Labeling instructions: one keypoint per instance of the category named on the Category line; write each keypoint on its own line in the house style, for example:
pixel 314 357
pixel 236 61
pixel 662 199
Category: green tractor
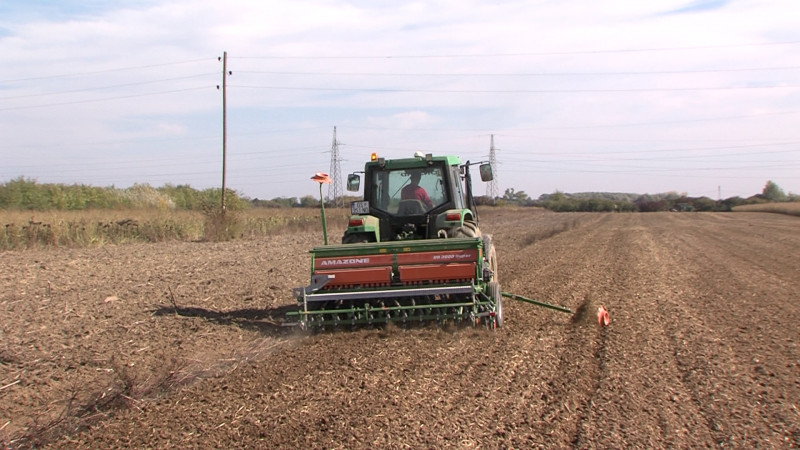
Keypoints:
pixel 413 252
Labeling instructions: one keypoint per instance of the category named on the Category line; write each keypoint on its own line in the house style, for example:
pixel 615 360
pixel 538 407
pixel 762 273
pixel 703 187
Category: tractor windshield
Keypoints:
pixel 408 192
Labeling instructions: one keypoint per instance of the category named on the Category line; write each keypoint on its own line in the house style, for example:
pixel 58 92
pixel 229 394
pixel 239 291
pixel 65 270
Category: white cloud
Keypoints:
pixel 171 128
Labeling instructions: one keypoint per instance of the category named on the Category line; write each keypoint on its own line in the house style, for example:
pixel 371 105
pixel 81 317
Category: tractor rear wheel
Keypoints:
pixel 491 256
pixel 497 297
pixel 355 238
pixel 468 229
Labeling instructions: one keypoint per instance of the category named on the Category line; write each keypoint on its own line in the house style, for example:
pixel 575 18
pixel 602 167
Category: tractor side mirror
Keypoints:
pixel 353 182
pixel 486 172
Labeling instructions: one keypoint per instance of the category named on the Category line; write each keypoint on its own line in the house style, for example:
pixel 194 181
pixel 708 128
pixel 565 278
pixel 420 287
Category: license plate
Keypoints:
pixel 359 208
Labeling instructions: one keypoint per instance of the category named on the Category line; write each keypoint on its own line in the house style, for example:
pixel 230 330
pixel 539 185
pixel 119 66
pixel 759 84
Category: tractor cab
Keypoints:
pixel 424 197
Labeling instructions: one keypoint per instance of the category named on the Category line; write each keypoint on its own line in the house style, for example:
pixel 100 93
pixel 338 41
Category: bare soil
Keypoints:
pixel 179 345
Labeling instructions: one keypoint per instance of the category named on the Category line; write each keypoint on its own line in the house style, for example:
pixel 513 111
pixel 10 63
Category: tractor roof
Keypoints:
pixel 405 163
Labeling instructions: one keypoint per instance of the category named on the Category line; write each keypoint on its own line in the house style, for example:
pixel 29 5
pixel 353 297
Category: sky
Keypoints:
pixel 694 96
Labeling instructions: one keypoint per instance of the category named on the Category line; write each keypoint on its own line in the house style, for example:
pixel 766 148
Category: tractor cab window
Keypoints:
pixel 408 192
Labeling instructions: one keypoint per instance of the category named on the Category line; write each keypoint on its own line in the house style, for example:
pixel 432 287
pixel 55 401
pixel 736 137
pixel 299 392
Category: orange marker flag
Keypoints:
pixel 602 316
pixel 321 177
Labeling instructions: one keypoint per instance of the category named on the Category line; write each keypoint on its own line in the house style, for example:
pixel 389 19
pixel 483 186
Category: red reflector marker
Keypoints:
pixel 453 217
pixel 356 222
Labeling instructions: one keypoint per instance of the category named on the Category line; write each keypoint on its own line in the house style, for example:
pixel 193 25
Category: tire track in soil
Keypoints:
pixel 694 345
pixel 773 255
pixel 635 404
pixel 567 388
pixel 736 363
pixel 695 427
pixel 577 370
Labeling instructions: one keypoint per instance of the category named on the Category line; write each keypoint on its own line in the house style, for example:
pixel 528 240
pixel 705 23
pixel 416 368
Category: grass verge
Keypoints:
pixel 21 230
pixel 792 209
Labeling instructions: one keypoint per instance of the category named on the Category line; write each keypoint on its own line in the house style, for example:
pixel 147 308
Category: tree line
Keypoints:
pixel 27 194
pixel 627 202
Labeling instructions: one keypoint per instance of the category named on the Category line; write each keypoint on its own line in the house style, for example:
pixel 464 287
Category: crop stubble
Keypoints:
pixel 702 350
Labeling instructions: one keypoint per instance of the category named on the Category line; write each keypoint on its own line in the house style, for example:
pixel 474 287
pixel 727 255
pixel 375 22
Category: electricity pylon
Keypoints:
pixel 335 191
pixel 493 188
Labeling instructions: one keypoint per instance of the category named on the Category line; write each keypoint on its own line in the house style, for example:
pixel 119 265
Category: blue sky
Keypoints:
pixel 622 96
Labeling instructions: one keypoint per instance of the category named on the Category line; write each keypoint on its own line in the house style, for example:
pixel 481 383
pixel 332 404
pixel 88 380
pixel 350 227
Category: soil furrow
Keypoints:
pixel 727 361
pixel 635 404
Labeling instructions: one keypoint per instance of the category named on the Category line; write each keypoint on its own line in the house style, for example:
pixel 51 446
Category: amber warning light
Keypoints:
pixel 374 156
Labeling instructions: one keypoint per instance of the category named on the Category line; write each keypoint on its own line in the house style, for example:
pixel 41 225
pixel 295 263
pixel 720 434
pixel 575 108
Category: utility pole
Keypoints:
pixel 493 189
pixel 336 173
pixel 224 123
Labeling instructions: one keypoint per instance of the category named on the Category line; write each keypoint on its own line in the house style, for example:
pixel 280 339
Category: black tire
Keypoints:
pixel 355 238
pixel 468 229
pixel 496 295
pixel 471 224
pixel 491 256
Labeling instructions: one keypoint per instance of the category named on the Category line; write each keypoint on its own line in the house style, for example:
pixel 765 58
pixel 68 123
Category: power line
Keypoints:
pixel 547 138
pixel 678 175
pixel 650 170
pixel 410 150
pixel 485 55
pixel 599 156
pixel 672 122
pixel 252 170
pixel 667 150
pixel 104 99
pixel 598 164
pixel 529 74
pixel 107 87
pixel 138 141
pixel 103 71
pixel 580 139
pixel 518 91
pixel 717 157
pixel 129 165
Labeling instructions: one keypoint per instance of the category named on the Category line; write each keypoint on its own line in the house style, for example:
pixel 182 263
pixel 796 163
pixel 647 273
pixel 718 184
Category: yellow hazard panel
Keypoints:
pixel 383 250
pixel 407 249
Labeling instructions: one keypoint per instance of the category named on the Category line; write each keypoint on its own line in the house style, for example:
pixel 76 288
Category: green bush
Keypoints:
pixel 27 194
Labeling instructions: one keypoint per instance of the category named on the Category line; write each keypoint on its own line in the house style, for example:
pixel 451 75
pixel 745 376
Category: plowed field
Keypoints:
pixel 179 346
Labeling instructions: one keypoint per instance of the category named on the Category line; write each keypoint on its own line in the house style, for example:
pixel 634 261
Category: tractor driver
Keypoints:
pixel 416 192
